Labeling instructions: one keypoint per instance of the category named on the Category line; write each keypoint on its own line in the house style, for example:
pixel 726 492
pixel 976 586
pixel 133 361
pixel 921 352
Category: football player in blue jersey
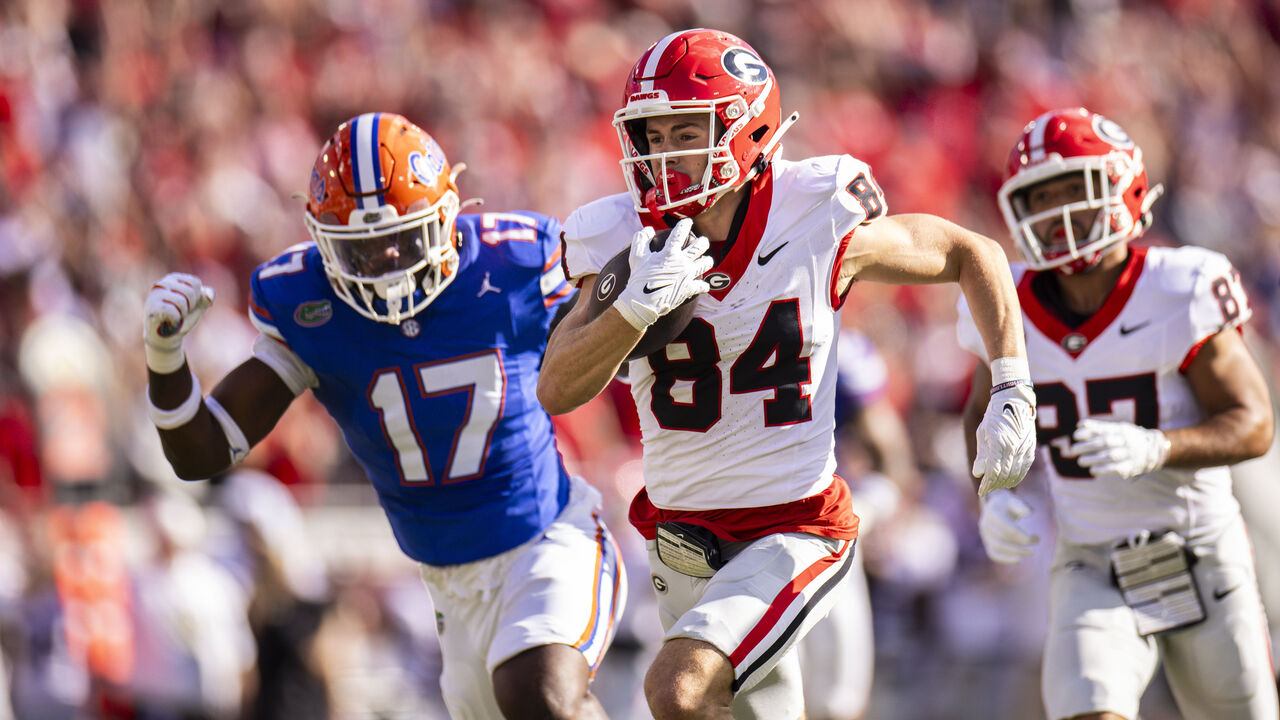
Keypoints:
pixel 421 331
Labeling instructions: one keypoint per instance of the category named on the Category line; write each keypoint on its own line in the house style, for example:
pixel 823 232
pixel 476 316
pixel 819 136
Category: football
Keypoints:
pixel 609 284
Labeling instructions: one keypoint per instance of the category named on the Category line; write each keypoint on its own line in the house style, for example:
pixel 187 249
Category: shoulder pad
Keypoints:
pixel 595 232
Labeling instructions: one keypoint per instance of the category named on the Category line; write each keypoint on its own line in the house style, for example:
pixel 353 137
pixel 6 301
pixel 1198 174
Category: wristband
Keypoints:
pixel 1007 372
pixel 181 415
pixel 164 361
pixel 632 315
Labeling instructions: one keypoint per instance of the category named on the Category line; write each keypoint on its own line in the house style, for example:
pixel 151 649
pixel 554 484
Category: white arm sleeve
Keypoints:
pixel 292 370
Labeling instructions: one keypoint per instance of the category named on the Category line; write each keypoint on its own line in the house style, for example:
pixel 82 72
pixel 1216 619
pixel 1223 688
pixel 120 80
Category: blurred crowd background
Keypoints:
pixel 140 137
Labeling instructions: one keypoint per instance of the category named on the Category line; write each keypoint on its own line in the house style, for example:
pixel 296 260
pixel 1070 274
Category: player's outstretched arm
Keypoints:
pixel 917 249
pixel 914 249
pixel 202 436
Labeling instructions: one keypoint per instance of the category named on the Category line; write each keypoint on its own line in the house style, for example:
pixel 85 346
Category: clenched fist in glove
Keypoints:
pixel 1005 539
pixel 173 308
pixel 1120 450
pixel 1007 434
pixel 662 280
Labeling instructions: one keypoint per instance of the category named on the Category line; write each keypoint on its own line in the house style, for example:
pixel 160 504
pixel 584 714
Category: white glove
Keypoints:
pixel 1006 541
pixel 173 308
pixel 1117 450
pixel 661 281
pixel 1006 438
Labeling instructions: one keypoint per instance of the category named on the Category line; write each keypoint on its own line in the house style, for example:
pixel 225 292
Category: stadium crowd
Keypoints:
pixel 138 137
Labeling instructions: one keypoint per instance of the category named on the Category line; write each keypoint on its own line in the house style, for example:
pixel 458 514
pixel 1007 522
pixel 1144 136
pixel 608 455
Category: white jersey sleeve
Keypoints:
pixel 857 198
pixel 1217 299
pixel 597 231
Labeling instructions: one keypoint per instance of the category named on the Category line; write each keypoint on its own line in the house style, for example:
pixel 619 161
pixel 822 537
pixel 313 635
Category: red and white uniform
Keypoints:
pixel 1127 363
pixel 737 419
pixel 739 413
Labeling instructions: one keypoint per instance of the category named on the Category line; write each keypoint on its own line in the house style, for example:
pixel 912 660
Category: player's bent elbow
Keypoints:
pixel 552 399
pixel 1258 442
pixel 195 465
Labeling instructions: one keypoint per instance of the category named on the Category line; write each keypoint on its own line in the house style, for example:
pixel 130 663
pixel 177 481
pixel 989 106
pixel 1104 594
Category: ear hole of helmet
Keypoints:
pixel 635 128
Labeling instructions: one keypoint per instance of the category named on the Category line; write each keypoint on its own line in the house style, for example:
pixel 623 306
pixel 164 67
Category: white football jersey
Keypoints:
pixel 1127 362
pixel 739 412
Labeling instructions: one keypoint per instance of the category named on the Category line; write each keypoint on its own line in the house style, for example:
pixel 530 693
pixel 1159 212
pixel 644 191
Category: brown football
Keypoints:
pixel 609 284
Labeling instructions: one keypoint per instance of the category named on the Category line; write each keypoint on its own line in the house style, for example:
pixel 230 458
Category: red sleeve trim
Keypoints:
pixel 1195 350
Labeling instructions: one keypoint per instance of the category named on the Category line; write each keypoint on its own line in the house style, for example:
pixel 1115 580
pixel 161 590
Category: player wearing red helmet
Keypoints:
pixel 748 527
pixel 1113 206
pixel 1146 395
pixel 720 83
pixel 419 329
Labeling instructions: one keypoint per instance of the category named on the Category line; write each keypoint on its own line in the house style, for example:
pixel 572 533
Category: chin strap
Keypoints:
pixel 762 161
pixel 1152 195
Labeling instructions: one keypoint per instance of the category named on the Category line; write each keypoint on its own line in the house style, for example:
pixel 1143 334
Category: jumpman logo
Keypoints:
pixel 486 287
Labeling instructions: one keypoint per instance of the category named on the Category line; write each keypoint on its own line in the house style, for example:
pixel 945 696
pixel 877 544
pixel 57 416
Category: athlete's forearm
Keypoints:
pixel 582 358
pixel 974 408
pixel 1226 438
pixel 196 449
pixel 226 424
pixel 988 288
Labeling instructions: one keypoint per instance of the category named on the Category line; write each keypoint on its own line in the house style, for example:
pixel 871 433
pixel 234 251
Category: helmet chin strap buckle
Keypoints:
pixel 394 293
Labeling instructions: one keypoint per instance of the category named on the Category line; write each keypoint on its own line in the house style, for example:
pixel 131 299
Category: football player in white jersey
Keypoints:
pixel 748 528
pixel 1146 393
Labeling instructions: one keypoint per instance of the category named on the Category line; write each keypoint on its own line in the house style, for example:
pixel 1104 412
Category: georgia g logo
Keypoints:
pixel 604 288
pixel 744 65
pixel 1111 132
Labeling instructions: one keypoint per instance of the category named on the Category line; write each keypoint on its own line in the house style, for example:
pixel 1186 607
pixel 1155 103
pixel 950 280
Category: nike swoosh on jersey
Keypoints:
pixel 648 289
pixel 1126 330
pixel 1219 594
pixel 762 259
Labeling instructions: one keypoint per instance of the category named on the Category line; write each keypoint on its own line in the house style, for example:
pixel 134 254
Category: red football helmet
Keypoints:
pixel 1076 141
pixel 382 209
pixel 699 72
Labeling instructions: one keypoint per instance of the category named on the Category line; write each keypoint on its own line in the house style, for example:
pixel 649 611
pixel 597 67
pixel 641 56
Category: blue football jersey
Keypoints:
pixel 441 410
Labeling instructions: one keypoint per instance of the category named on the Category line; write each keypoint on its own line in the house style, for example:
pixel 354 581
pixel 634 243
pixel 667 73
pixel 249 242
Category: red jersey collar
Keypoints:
pixel 732 267
pixel 1075 340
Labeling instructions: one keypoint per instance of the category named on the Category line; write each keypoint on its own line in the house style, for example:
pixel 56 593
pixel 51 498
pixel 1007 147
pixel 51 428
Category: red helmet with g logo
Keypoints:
pixel 381 208
pixel 705 73
pixel 1076 141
